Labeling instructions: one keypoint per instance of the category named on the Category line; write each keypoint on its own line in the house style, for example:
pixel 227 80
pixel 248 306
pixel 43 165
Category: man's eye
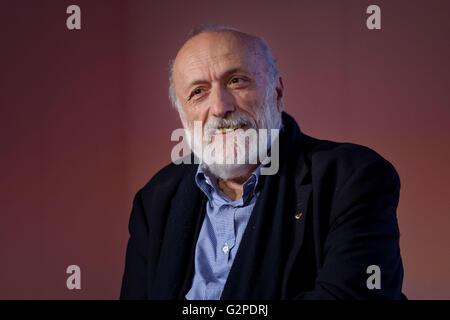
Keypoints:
pixel 196 91
pixel 236 80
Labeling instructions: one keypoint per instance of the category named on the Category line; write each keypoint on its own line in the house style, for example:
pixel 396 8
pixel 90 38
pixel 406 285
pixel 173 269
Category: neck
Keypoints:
pixel 233 188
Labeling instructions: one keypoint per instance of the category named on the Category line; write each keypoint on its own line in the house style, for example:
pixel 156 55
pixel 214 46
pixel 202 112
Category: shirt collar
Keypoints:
pixel 210 188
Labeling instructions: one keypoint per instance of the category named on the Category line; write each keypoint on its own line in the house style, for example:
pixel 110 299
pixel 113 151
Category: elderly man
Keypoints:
pixel 322 225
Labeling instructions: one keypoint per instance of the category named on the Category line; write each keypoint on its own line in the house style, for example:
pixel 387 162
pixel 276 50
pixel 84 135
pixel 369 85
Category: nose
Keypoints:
pixel 222 103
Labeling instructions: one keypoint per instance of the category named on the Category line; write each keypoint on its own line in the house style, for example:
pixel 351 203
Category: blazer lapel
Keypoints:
pixel 176 261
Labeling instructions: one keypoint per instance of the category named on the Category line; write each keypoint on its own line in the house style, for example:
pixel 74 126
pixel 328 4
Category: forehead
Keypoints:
pixel 216 50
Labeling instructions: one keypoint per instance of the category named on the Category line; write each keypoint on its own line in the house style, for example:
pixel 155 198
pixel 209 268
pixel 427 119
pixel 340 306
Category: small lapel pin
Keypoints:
pixel 298 215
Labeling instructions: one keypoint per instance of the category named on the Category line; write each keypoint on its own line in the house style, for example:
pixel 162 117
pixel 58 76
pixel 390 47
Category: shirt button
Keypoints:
pixel 225 248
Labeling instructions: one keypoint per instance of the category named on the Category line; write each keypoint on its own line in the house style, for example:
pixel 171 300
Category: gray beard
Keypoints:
pixel 269 118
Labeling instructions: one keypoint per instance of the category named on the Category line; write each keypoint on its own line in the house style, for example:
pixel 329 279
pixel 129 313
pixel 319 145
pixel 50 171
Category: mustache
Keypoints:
pixel 236 120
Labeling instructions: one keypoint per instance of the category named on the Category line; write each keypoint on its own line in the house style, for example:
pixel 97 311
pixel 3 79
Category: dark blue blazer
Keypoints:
pixel 318 224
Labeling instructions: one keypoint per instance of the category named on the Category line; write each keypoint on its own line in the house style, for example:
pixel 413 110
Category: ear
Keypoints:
pixel 279 87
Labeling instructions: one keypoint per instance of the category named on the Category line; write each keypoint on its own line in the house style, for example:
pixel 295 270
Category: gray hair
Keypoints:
pixel 271 64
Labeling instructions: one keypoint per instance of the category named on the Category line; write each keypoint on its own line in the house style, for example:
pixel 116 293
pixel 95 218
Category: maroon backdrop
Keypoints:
pixel 85 121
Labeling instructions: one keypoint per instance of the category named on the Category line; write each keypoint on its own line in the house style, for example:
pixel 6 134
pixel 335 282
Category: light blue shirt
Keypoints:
pixel 221 233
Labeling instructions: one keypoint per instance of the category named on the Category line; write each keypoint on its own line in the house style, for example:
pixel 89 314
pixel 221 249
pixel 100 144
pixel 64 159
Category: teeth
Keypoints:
pixel 225 130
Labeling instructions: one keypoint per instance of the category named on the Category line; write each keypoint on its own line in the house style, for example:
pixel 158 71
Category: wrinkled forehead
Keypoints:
pixel 215 51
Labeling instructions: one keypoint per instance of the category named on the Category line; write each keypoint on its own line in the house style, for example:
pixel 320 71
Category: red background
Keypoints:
pixel 85 121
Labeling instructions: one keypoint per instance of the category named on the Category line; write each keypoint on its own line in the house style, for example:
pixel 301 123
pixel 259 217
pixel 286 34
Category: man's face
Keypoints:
pixel 222 80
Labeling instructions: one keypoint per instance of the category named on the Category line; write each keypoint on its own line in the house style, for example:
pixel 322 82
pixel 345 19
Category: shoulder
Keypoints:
pixel 344 159
pixel 168 178
pixel 349 175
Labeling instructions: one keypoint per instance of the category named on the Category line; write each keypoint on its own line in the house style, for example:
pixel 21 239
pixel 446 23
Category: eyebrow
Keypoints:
pixel 225 74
